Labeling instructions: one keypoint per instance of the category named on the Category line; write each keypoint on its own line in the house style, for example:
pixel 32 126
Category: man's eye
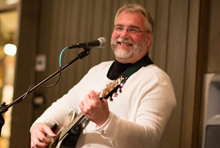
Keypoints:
pixel 133 30
pixel 119 28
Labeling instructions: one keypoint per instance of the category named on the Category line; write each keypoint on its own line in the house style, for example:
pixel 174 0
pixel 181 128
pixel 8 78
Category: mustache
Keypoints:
pixel 122 40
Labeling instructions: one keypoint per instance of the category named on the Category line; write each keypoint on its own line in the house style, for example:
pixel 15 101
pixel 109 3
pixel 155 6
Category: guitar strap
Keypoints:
pixel 136 66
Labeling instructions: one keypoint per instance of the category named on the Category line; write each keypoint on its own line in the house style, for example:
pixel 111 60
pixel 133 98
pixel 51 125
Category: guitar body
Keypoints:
pixel 68 140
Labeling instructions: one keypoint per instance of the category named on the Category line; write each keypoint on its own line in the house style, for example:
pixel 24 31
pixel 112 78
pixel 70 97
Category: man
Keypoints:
pixel 137 117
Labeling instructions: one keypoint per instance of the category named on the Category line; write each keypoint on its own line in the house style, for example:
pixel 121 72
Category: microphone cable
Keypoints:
pixel 60 66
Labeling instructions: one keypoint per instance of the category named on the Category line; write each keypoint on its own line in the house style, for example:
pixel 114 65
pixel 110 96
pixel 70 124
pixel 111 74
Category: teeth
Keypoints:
pixel 125 44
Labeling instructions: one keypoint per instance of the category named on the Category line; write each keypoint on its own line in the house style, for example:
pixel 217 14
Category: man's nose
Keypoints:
pixel 125 33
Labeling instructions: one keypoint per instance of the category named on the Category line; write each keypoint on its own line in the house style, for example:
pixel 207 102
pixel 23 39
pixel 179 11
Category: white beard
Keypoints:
pixel 122 53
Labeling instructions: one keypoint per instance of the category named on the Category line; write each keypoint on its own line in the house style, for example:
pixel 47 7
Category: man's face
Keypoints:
pixel 130 46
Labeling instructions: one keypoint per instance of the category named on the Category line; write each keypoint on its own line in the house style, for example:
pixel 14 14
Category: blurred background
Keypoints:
pixel 8 50
pixel 185 45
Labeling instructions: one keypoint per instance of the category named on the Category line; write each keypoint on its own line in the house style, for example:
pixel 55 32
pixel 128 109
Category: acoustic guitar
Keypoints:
pixel 67 137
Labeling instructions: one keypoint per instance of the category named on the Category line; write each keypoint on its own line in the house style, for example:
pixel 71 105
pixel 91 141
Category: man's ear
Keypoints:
pixel 149 38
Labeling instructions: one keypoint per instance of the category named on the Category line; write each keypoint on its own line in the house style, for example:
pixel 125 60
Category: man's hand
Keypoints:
pixel 38 135
pixel 95 109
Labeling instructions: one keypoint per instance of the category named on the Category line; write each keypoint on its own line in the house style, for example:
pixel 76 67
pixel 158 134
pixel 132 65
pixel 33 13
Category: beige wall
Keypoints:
pixel 213 38
pixel 47 27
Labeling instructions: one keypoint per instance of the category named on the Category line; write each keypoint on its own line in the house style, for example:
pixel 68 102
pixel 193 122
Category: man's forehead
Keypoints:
pixel 131 19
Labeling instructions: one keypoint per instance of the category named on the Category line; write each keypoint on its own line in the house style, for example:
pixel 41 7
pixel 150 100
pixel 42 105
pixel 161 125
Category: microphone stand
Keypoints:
pixel 4 107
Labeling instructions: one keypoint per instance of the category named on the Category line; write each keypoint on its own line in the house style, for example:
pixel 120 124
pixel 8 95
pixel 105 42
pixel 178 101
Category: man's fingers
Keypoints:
pixel 49 132
pixel 36 143
pixel 92 94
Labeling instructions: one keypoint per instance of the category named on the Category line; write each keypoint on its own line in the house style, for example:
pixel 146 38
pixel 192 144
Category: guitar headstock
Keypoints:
pixel 113 87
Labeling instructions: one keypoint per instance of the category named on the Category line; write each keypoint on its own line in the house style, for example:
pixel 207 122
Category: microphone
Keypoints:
pixel 100 42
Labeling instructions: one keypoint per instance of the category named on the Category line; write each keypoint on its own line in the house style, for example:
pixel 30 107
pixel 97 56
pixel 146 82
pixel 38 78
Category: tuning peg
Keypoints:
pixel 120 89
pixel 110 98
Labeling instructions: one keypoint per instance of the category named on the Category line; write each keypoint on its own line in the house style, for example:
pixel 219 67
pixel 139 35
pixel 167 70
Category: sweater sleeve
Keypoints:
pixel 155 110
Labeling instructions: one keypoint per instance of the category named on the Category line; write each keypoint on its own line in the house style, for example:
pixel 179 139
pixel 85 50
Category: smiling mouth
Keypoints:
pixel 124 44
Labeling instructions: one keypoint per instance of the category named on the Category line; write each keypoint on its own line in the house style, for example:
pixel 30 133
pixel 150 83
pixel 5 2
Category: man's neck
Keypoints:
pixel 117 69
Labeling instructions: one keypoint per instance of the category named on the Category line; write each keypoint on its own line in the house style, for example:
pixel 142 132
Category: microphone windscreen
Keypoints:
pixel 103 42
